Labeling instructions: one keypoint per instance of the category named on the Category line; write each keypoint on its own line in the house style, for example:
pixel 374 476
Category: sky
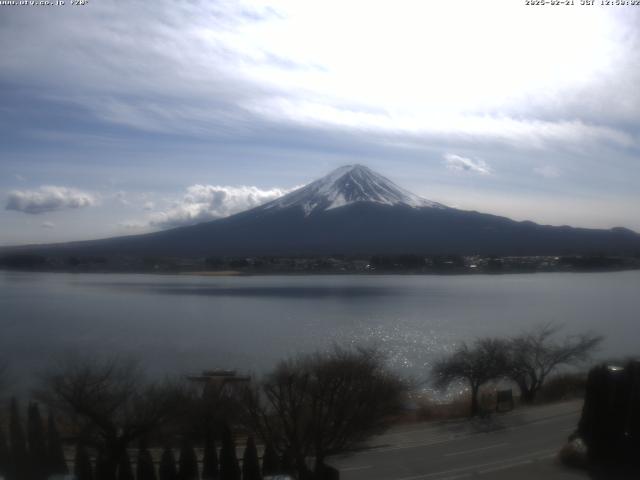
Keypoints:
pixel 123 117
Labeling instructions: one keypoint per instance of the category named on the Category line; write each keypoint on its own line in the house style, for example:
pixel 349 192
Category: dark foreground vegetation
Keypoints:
pixel 122 426
pixel 106 421
pixel 415 264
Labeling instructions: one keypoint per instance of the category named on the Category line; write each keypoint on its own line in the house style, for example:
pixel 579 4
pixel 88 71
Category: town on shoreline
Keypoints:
pixel 330 264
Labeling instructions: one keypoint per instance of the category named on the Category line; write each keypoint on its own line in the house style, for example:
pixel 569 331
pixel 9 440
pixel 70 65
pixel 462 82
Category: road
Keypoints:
pixel 522 444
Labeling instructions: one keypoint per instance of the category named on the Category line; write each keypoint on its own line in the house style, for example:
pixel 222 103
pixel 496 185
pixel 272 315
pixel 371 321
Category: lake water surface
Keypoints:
pixel 178 323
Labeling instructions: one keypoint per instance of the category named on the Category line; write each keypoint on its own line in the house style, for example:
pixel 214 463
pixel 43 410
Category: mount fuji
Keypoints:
pixel 355 211
pixel 348 185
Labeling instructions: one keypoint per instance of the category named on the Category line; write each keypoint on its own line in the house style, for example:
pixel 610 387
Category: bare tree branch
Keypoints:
pixel 4 377
pixel 535 354
pixel 322 404
pixel 486 360
pixel 110 399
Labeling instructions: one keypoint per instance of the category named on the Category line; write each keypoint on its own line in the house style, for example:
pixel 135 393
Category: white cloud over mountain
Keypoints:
pixel 48 198
pixel 208 202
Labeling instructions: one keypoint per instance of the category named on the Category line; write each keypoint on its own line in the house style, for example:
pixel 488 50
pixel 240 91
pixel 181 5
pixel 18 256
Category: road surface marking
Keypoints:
pixel 455 422
pixel 351 469
pixel 445 438
pixel 516 464
pixel 376 450
pixel 504 467
pixel 475 450
pixel 528 456
pixel 456 477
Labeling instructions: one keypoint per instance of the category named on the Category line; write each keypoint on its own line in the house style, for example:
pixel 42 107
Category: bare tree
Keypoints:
pixel 110 401
pixel 322 404
pixel 484 361
pixel 535 354
pixel 4 395
pixel 4 378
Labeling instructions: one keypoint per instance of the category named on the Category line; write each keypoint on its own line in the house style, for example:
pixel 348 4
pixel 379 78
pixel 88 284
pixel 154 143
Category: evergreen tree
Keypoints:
pixel 229 469
pixel 19 456
pixel 110 397
pixel 125 472
pixel 250 463
pixel 210 460
pixel 287 463
pixel 82 465
pixel 4 456
pixel 55 452
pixel 188 462
pixel 270 461
pixel 167 469
pixel 103 469
pixel 37 444
pixel 145 469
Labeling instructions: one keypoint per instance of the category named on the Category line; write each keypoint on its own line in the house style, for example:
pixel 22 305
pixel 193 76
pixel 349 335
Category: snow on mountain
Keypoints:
pixel 347 185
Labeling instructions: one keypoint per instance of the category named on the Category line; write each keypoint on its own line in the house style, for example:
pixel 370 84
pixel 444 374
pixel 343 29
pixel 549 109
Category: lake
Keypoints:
pixel 178 323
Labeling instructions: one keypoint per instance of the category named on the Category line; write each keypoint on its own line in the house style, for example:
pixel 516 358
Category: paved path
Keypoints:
pixel 522 444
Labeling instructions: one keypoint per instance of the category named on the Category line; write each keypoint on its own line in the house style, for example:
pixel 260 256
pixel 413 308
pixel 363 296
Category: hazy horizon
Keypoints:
pixel 255 201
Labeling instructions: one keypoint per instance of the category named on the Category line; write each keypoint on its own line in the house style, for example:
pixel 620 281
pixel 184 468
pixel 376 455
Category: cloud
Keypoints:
pixel 454 127
pixel 208 202
pixel 135 226
pixel 242 69
pixel 48 199
pixel 464 164
pixel 238 79
pixel 121 198
pixel 48 225
pixel 548 171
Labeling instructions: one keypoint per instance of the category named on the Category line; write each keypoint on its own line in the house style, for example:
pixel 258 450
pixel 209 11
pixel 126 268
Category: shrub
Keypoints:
pixel 167 470
pixel 563 387
pixel 188 462
pixel 250 463
pixel 229 469
pixel 574 454
pixel 82 468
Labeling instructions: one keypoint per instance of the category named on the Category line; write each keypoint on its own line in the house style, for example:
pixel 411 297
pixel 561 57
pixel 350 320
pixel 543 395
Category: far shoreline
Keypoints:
pixel 238 273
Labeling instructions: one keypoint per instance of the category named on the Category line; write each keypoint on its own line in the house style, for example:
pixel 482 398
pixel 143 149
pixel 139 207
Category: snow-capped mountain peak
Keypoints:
pixel 347 185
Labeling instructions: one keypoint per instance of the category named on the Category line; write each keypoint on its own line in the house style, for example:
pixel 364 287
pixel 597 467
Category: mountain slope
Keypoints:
pixel 347 185
pixel 356 211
